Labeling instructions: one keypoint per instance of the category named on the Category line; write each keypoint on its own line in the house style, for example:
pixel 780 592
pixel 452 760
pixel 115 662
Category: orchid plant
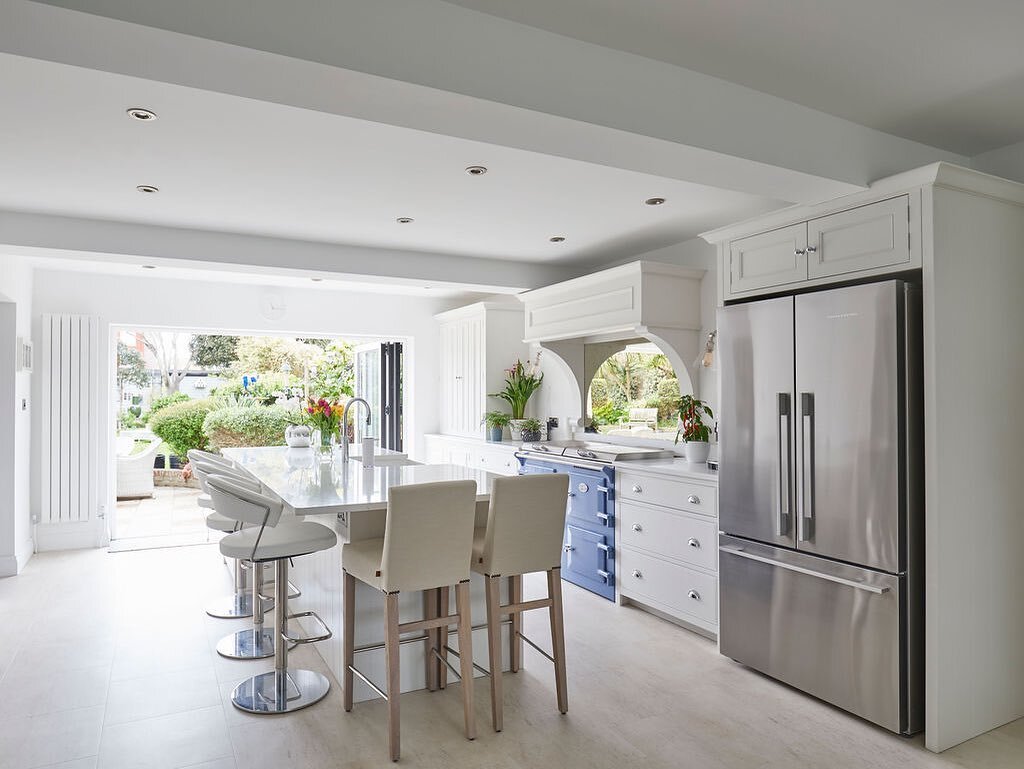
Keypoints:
pixel 521 382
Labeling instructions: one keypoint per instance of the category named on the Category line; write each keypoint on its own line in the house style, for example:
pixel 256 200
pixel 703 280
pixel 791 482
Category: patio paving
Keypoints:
pixel 172 517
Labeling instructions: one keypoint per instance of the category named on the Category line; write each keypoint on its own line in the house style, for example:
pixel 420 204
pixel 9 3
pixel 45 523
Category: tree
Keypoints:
pixel 131 369
pixel 623 372
pixel 269 354
pixel 335 374
pixel 214 351
pixel 173 356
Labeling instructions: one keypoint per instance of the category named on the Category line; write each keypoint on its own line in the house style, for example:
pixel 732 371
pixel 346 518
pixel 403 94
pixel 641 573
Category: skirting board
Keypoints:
pixel 11 565
pixel 66 536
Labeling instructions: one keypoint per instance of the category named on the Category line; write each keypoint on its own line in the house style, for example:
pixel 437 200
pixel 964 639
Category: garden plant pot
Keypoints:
pixel 494 434
pixel 531 436
pixel 515 427
pixel 697 452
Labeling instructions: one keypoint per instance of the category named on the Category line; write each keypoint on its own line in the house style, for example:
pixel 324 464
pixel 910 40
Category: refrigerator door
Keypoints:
pixel 848 461
pixel 756 425
pixel 828 629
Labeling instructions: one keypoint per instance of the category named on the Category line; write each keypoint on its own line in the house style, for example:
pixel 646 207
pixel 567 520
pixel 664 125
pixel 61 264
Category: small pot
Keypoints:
pixel 697 452
pixel 531 436
pixel 494 434
pixel 515 427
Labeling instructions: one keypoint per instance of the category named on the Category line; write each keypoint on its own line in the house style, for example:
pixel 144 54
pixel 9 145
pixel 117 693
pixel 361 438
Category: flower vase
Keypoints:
pixel 325 446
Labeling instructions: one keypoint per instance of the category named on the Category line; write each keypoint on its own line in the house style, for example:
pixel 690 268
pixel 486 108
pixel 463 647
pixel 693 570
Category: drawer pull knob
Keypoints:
pixel 568 548
pixel 637 489
pixel 693 499
pixel 693 542
pixel 694 595
pixel 637 527
pixel 637 573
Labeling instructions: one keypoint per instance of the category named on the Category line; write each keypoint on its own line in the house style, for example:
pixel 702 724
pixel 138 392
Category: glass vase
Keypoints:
pixel 325 446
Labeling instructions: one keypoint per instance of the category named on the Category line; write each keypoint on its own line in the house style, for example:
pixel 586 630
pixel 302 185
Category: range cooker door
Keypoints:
pixel 588 560
pixel 829 629
pixel 756 422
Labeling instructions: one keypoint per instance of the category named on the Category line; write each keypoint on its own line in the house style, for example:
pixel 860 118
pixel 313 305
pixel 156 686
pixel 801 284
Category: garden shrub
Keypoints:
pixel 668 389
pixel 180 425
pixel 609 414
pixel 262 391
pixel 247 426
pixel 598 391
pixel 164 401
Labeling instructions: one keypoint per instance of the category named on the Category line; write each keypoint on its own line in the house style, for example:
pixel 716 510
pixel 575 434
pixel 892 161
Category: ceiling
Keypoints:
pixel 943 72
pixel 232 164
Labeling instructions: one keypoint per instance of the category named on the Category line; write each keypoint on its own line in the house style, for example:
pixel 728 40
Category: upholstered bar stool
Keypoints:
pixel 524 533
pixel 268 539
pixel 427 543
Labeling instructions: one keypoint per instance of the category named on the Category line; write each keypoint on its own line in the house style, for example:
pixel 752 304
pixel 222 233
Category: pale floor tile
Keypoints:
pixel 177 740
pixel 643 693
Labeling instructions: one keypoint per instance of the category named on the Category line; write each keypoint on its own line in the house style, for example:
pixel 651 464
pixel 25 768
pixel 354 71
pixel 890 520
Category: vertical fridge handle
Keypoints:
pixel 805 521
pixel 782 501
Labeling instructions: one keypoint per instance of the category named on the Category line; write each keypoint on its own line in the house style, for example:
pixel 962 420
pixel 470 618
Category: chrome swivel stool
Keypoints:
pixel 271 540
pixel 524 534
pixel 427 543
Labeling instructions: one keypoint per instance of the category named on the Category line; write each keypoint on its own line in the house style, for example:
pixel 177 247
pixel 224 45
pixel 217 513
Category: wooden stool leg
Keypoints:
pixel 349 631
pixel 515 643
pixel 494 648
pixel 394 689
pixel 466 656
pixel 430 609
pixel 558 637
pixel 444 609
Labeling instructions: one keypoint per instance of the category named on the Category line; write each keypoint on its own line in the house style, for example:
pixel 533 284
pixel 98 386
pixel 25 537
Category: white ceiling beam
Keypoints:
pixel 43 234
pixel 437 67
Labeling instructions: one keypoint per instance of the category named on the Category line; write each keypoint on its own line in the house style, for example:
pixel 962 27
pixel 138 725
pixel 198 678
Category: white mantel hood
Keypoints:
pixel 640 300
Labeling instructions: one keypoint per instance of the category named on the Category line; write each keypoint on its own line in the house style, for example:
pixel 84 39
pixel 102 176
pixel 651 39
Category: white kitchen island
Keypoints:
pixel 352 500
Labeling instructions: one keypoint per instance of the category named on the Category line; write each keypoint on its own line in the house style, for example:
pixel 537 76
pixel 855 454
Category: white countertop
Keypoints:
pixel 674 467
pixel 311 488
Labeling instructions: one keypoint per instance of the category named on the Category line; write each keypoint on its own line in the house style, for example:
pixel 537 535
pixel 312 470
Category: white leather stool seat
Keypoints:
pixel 362 560
pixel 219 522
pixel 205 501
pixel 286 540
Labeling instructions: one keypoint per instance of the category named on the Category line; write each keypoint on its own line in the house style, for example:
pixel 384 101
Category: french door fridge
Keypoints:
pixel 820 500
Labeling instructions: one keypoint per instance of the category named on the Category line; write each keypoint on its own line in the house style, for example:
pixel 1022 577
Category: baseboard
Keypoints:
pixel 66 536
pixel 8 565
pixel 25 552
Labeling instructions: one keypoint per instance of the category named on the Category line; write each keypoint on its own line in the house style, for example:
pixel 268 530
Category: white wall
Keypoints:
pixel 1007 162
pixel 148 300
pixel 15 423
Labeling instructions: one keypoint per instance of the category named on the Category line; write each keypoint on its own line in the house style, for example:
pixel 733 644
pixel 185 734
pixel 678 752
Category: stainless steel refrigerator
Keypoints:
pixel 820 502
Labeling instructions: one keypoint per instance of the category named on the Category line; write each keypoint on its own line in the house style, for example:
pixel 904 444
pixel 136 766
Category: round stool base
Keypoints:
pixel 231 606
pixel 247 644
pixel 273 692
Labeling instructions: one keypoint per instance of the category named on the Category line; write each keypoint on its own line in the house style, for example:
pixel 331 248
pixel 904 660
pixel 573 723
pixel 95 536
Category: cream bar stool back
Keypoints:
pixel 427 544
pixel 270 540
pixel 524 534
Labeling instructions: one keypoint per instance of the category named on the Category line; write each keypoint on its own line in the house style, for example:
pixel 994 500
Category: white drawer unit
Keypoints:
pixel 668 492
pixel 680 536
pixel 678 590
pixel 456 450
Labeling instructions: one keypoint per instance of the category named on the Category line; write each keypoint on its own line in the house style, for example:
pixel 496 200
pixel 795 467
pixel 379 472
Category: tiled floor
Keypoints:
pixel 170 518
pixel 107 660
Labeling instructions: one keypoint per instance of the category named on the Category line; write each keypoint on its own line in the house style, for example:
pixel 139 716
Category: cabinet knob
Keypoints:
pixel 637 574
pixel 568 548
pixel 812 249
pixel 694 595
pixel 693 542
pixel 637 527
pixel 799 251
pixel 693 499
pixel 637 489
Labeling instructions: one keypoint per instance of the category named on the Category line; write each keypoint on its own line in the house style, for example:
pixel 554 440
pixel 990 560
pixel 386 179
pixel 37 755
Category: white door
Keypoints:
pixel 367 385
pixel 864 238
pixel 769 259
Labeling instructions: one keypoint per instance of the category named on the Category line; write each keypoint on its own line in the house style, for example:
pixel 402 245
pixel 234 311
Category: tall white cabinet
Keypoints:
pixel 478 343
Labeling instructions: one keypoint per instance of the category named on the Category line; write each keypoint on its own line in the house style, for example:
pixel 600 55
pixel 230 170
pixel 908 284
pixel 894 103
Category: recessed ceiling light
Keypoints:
pixel 557 239
pixel 149 266
pixel 316 280
pixel 141 113
pixel 405 220
pixel 476 170
pixel 654 201
pixel 427 288
pixel 149 189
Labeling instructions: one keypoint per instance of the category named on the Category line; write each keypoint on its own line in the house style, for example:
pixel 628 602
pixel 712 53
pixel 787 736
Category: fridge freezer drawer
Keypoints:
pixel 826 628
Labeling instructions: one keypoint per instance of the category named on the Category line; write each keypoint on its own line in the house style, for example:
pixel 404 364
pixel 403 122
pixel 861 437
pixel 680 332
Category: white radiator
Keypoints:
pixel 69 362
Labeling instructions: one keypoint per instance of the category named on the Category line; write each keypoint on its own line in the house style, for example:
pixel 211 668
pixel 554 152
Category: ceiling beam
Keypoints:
pixel 43 234
pixel 437 67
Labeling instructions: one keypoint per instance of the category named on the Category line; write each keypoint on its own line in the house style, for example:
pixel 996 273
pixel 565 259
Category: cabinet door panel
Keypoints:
pixel 863 238
pixel 769 259
pixel 588 561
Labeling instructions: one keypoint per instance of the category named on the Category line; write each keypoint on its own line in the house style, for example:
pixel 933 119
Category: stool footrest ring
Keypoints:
pixel 308 639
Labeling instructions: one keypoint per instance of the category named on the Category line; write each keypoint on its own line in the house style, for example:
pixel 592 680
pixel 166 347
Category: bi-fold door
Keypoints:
pixel 813 440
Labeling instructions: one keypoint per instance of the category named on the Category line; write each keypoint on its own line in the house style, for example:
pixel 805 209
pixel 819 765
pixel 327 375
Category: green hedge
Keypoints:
pixel 163 402
pixel 181 425
pixel 247 426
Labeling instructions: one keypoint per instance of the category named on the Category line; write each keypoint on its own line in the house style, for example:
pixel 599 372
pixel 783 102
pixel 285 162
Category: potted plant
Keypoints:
pixel 495 421
pixel 521 382
pixel 531 430
pixel 692 429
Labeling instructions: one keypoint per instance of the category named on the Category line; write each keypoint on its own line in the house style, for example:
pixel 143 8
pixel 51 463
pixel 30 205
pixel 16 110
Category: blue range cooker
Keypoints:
pixel 588 550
